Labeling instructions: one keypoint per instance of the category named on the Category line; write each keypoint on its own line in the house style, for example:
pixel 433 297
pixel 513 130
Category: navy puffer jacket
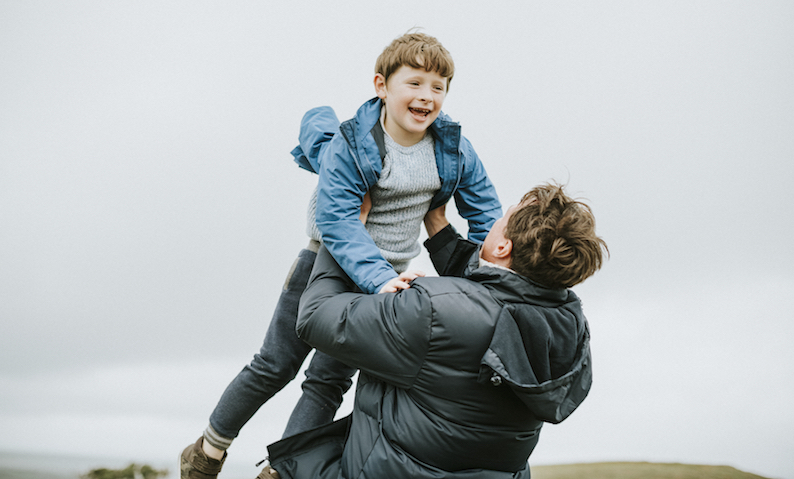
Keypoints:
pixel 457 374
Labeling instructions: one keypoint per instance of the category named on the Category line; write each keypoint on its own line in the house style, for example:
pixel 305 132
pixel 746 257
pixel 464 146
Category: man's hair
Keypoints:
pixel 554 240
pixel 416 50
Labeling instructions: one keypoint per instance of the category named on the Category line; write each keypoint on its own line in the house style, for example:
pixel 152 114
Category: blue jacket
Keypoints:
pixel 457 375
pixel 348 158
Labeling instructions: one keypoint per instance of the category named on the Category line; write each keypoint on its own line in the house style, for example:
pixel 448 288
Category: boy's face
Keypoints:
pixel 412 98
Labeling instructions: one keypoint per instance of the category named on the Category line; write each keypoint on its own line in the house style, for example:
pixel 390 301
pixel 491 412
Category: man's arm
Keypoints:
pixel 436 220
pixel 384 335
pixel 449 251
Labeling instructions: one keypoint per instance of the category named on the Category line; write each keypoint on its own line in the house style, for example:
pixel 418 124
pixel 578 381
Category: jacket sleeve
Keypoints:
pixel 340 192
pixel 449 252
pixel 384 335
pixel 318 127
pixel 475 197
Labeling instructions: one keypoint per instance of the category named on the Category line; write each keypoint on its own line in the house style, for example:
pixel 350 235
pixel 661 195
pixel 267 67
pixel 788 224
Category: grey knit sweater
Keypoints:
pixel 400 199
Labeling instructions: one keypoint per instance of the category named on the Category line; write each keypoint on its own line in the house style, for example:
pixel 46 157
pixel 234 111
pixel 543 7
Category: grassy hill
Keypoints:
pixel 600 470
pixel 7 473
pixel 638 470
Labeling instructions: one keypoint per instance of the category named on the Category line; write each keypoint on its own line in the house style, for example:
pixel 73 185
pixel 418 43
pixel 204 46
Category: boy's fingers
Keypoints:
pixel 390 286
pixel 395 286
pixel 401 282
pixel 401 285
pixel 409 276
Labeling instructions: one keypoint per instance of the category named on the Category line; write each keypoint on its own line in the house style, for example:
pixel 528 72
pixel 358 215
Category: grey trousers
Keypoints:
pixel 277 363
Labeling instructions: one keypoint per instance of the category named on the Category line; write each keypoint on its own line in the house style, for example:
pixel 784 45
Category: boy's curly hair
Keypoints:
pixel 554 240
pixel 417 50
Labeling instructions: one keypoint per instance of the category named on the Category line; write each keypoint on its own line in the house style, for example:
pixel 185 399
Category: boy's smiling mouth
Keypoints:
pixel 419 111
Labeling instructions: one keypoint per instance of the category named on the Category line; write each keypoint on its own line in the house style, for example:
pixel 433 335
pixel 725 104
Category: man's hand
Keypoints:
pixel 366 205
pixel 401 282
pixel 436 220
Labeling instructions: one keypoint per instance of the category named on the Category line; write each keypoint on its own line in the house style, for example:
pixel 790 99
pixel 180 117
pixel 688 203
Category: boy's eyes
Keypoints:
pixel 436 87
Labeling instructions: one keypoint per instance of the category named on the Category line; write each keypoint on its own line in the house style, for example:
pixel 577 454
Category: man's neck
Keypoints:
pixel 495 265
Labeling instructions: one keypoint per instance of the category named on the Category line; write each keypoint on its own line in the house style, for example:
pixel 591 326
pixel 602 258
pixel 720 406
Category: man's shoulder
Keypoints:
pixel 462 311
pixel 449 285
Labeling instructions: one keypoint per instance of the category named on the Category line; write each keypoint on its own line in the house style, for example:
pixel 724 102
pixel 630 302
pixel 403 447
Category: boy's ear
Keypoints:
pixel 380 86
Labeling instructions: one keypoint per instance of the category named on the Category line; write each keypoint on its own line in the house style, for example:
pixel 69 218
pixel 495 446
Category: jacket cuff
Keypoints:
pixel 449 252
pixel 381 281
pixel 441 239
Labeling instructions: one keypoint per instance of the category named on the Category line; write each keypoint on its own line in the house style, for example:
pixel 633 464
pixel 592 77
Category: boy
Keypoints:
pixel 402 153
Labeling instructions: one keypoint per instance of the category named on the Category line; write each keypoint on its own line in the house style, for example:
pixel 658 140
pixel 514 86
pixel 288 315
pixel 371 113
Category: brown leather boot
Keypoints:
pixel 268 473
pixel 195 464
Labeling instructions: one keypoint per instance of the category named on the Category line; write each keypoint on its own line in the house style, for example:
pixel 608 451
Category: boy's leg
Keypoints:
pixel 276 364
pixel 326 382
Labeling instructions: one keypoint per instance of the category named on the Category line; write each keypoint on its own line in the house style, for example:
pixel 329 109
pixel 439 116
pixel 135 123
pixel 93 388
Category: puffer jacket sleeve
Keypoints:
pixel 449 252
pixel 475 197
pixel 385 335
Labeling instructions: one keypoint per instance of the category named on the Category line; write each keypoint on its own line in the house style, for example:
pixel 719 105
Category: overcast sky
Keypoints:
pixel 150 210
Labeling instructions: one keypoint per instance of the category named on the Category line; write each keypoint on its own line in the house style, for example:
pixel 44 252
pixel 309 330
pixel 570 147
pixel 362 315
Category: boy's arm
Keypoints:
pixel 320 142
pixel 318 127
pixel 340 193
pixel 475 197
pixel 369 332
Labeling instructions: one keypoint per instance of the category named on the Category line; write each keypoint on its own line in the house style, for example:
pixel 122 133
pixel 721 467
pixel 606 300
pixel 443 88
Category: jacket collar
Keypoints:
pixel 507 286
pixel 364 135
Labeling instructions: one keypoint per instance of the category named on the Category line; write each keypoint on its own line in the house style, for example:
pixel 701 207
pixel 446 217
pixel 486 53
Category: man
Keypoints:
pixel 457 374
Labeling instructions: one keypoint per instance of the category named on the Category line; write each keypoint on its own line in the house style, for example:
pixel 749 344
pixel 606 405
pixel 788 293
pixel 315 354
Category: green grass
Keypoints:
pixel 638 470
pixel 24 474
pixel 599 470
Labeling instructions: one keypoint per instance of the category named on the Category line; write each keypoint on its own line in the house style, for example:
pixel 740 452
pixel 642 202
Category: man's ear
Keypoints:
pixel 380 86
pixel 504 249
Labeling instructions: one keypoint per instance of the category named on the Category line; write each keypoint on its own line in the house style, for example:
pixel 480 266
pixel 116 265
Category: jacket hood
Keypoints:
pixel 540 347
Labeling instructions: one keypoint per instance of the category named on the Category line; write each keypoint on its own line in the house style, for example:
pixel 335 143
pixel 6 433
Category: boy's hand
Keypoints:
pixel 436 220
pixel 366 205
pixel 401 282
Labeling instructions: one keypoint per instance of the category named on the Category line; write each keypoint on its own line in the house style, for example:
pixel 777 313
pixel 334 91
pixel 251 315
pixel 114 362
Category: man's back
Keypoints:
pixel 446 418
pixel 426 405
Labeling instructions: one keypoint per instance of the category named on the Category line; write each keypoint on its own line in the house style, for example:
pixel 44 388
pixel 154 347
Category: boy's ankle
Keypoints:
pixel 212 451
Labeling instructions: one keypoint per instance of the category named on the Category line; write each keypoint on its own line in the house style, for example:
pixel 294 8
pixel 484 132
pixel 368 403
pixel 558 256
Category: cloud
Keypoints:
pixel 150 209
